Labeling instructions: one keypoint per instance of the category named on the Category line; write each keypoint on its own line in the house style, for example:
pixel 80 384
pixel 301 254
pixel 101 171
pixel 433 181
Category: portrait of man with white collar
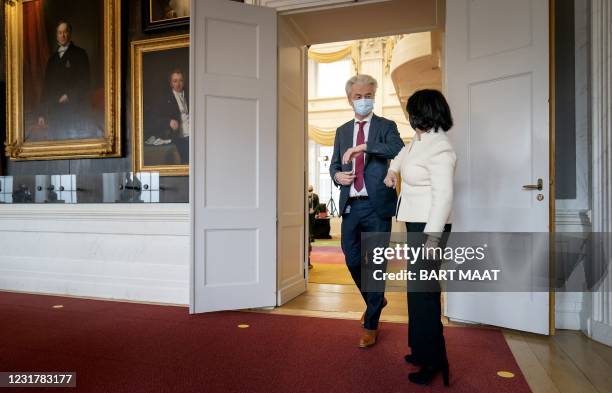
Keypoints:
pixel 66 88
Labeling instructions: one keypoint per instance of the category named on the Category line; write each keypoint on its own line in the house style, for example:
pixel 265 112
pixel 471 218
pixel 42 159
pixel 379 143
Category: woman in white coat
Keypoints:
pixel 427 166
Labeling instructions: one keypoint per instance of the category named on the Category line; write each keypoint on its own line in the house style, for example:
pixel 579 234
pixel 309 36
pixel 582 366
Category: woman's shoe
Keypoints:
pixel 410 358
pixel 427 374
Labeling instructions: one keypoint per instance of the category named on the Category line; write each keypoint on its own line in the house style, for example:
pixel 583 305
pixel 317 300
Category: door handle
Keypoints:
pixel 538 187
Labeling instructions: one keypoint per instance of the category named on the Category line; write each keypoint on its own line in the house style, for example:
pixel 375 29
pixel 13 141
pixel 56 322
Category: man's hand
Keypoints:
pixel 353 152
pixel 344 178
pixel 391 179
pixel 42 122
pixel 64 99
pixel 174 124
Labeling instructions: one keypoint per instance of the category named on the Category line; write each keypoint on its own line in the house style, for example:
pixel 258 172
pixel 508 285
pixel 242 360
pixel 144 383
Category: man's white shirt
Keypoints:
pixel 180 99
pixel 62 49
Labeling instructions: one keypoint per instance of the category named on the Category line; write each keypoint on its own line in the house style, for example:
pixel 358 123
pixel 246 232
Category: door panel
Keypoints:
pixel 497 83
pixel 292 236
pixel 233 155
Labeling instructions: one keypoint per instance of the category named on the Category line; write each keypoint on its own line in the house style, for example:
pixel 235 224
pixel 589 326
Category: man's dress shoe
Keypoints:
pixel 368 338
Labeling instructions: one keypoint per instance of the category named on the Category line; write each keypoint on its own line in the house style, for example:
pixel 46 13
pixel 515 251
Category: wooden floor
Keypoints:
pixel 341 301
pixel 568 362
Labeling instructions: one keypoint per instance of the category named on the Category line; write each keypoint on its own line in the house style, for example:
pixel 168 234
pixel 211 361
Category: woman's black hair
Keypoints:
pixel 428 110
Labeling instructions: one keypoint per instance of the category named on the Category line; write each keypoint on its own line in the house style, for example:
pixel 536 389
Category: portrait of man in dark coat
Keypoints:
pixel 175 114
pixel 166 108
pixel 64 102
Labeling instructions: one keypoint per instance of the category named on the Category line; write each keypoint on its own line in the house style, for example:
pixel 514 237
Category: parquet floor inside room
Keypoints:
pixel 567 362
pixel 341 301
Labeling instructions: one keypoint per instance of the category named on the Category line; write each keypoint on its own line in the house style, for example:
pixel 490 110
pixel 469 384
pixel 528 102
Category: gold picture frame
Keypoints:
pixel 19 145
pixel 156 17
pixel 154 62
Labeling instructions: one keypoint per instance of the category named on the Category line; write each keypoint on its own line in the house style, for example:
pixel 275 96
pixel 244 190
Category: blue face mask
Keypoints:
pixel 363 106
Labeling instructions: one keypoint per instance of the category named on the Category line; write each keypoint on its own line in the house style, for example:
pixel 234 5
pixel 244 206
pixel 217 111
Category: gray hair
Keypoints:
pixel 361 79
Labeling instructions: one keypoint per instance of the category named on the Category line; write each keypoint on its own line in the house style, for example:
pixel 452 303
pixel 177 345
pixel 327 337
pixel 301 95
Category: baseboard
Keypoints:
pixel 567 320
pixel 568 306
pixel 60 286
pixel 291 291
pixel 121 252
pixel 601 333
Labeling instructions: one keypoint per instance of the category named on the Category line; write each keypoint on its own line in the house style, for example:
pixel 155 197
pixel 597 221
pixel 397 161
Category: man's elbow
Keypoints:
pixel 393 150
pixel 397 148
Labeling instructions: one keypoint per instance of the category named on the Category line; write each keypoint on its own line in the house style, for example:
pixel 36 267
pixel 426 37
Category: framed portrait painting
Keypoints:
pixel 165 14
pixel 160 105
pixel 63 79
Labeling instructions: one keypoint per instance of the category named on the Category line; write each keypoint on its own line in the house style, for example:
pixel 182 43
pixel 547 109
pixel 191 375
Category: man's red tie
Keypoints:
pixel 360 159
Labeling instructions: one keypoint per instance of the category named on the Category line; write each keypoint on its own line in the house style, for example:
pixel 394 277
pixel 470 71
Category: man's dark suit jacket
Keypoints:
pixel 68 75
pixel 383 144
pixel 170 110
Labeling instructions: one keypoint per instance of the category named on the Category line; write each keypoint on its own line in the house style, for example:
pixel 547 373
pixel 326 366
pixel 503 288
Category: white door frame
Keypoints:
pixel 551 194
pixel 551 183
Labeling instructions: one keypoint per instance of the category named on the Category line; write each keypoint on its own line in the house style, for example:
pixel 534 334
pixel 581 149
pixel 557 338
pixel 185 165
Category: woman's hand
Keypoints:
pixel 391 179
pixel 432 241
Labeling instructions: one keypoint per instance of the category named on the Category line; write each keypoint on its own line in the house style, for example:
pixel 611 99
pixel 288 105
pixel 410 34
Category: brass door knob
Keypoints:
pixel 538 187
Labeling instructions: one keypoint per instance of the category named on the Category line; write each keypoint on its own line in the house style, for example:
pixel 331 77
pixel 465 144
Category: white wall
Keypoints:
pixel 597 309
pixel 134 252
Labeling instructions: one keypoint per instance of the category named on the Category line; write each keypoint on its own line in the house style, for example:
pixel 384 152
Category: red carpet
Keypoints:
pixel 327 255
pixel 123 347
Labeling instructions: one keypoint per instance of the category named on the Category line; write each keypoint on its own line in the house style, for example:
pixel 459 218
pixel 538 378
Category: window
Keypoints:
pixel 327 188
pixel 330 78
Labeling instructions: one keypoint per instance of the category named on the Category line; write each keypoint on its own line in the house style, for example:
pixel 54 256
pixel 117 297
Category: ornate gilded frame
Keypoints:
pixel 138 48
pixel 108 146
pixel 152 26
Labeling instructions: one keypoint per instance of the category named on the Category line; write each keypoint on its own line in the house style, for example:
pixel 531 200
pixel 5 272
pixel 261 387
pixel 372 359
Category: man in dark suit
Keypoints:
pixel 174 115
pixel 64 105
pixel 362 150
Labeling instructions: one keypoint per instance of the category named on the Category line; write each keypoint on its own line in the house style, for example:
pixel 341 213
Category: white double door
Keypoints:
pixel 247 158
pixel 497 85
